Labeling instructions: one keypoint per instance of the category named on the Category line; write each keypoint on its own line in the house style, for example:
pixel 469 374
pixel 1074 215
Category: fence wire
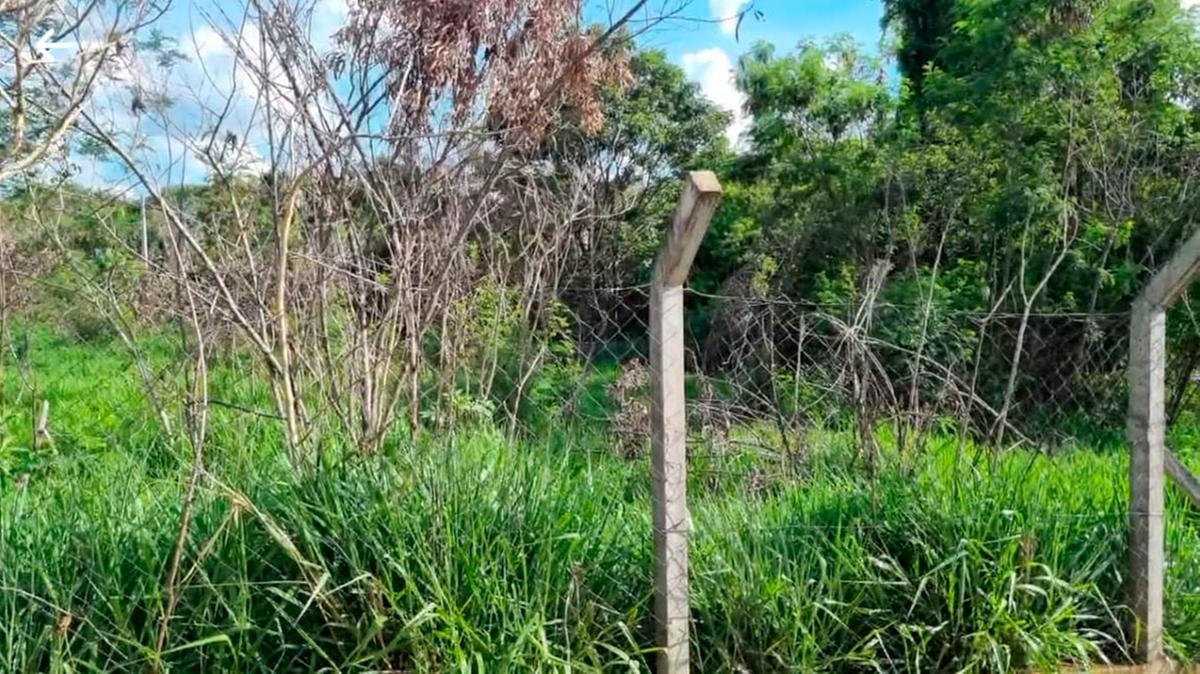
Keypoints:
pixel 764 373
pixel 784 367
pixel 776 390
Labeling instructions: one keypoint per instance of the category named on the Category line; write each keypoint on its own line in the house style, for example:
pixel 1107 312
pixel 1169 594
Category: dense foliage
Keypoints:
pixel 468 551
pixel 228 482
pixel 1035 154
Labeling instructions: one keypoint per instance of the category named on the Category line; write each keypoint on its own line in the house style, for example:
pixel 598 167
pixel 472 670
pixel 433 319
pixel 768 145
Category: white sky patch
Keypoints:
pixel 91 173
pixel 726 12
pixel 712 69
pixel 207 42
pixel 328 17
pixel 164 115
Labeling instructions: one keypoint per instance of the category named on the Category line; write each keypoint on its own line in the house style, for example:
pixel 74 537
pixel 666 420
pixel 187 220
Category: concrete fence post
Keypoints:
pixel 701 194
pixel 1150 460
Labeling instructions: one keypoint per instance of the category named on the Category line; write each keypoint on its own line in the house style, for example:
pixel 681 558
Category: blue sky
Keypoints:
pixel 707 47
pixel 700 38
pixel 784 22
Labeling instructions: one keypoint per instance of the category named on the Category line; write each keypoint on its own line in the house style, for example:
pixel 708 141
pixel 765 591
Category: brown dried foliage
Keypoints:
pixel 516 62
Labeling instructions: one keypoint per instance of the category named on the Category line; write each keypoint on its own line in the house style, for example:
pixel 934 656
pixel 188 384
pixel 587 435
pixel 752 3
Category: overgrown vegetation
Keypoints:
pixel 373 397
pixel 467 550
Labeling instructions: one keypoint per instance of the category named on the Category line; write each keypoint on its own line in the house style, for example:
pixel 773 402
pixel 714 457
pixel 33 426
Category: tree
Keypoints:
pixel 811 189
pixel 923 27
pixel 1073 115
pixel 53 56
pixel 656 129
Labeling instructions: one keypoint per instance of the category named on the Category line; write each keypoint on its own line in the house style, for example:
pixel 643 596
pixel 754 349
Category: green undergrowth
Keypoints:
pixel 471 551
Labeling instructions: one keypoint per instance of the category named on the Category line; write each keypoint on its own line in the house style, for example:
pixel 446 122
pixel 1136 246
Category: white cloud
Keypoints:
pixel 713 71
pixel 208 42
pixel 331 9
pixel 328 17
pixel 221 89
pixel 726 12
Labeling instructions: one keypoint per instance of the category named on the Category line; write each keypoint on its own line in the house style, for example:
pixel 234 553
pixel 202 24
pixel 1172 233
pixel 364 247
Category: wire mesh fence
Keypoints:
pixel 782 367
pixel 764 372
pixel 778 391
pixel 769 379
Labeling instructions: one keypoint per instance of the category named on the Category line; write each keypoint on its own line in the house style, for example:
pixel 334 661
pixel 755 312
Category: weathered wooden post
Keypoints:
pixel 1147 445
pixel 701 194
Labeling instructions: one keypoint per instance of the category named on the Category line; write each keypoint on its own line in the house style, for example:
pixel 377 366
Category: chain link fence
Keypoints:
pixel 778 391
pixel 781 367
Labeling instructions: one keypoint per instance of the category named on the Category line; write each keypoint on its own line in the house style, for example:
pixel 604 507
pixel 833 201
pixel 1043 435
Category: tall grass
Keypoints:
pixel 474 552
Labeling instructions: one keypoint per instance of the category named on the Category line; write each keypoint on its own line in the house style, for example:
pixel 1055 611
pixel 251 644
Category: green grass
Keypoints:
pixel 473 552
